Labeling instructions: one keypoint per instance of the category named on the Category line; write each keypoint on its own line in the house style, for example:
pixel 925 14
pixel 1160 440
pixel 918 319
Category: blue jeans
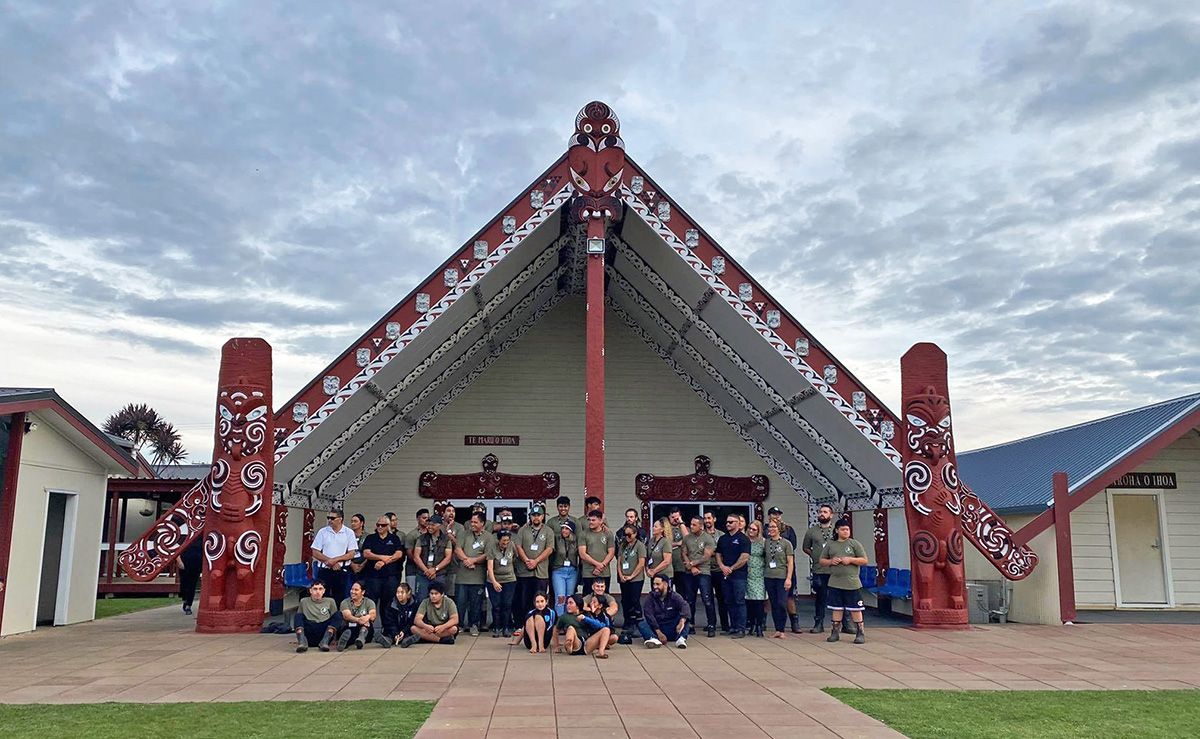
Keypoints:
pixel 564 580
pixel 469 600
pixel 778 595
pixel 502 606
pixel 735 602
pixel 421 592
pixel 668 631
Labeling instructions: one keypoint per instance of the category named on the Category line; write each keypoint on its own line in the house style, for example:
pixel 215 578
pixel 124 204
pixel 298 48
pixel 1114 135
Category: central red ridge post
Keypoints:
pixel 593 450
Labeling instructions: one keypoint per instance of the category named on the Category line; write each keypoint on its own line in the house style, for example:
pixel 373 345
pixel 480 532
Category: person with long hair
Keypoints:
pixel 756 590
pixel 778 573
pixel 539 625
pixel 631 575
pixel 564 575
pixel 788 533
pixel 502 557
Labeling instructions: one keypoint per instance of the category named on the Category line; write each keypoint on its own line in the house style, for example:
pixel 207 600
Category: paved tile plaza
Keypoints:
pixel 754 687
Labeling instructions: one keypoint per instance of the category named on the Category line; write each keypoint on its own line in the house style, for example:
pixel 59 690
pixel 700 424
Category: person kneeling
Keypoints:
pixel 436 620
pixel 539 625
pixel 317 619
pixel 665 615
pixel 361 617
pixel 399 614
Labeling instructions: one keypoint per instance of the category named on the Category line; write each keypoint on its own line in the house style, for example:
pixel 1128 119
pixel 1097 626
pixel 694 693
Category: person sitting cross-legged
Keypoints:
pixel 361 619
pixel 665 615
pixel 317 619
pixel 399 614
pixel 436 620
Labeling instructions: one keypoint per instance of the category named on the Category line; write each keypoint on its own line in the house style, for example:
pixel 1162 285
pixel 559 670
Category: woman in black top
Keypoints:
pixel 539 625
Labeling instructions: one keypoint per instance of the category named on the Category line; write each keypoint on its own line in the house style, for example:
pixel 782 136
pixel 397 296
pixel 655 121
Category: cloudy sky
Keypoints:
pixel 1020 184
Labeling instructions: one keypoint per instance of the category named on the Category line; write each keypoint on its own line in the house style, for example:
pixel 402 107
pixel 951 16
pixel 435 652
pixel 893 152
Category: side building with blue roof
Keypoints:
pixel 1132 500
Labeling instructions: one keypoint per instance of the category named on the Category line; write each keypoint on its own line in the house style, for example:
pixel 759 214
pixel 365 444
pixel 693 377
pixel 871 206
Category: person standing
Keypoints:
pixel 596 551
pixel 501 575
pixel 317 619
pixel 843 556
pixel 814 540
pixel 666 615
pixel 471 552
pixel 563 504
pixel 756 589
pixel 718 577
pixel 677 528
pixel 455 532
pixel 634 519
pixel 432 555
pixel 534 547
pixel 775 514
pixel 658 552
pixel 564 575
pixel 333 547
pixel 631 575
pixel 778 574
pixel 697 552
pixel 190 563
pixel 410 545
pixel 356 568
pixel 733 555
pixel 383 552
pixel 591 503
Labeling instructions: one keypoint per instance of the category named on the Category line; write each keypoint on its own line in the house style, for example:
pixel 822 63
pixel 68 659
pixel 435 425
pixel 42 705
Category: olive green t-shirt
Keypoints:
pixel 657 552
pixel 844 577
pixel 410 541
pixel 693 549
pixel 777 553
pixel 439 615
pixel 503 561
pixel 566 552
pixel 433 550
pixel 534 542
pixel 628 559
pixel 318 611
pixel 814 539
pixel 473 545
pixel 459 532
pixel 554 523
pixel 361 609
pixel 676 536
pixel 597 544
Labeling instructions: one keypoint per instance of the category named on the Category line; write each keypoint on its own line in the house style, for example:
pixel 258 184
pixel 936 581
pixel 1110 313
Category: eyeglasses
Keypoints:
pixel 332 518
pixel 383 525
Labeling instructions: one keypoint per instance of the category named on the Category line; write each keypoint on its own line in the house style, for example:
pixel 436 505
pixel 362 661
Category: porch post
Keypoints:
pixel 1062 543
pixel 110 566
pixel 8 497
pixel 593 449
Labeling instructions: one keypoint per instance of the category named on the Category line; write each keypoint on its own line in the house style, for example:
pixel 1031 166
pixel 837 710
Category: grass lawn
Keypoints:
pixel 106 607
pixel 211 720
pixel 1045 714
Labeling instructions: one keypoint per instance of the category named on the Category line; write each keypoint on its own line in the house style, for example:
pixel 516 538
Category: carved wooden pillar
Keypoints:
pixel 307 534
pixel 882 559
pixel 278 555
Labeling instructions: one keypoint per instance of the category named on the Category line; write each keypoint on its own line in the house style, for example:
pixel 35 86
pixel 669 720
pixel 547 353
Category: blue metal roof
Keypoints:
pixel 1016 476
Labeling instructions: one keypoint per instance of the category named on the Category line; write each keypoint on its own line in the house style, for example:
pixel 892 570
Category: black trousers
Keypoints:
pixel 337 584
pixel 718 585
pixel 188 578
pixel 631 604
pixel 381 588
pixel 778 595
pixel 314 631
pixel 820 586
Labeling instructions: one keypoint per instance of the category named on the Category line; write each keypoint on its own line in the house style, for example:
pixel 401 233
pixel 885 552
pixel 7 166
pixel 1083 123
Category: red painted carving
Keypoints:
pixel 596 159
pixel 882 558
pixel 490 483
pixel 306 535
pixel 154 550
pixel 239 509
pixel 938 508
pixel 278 552
pixel 700 487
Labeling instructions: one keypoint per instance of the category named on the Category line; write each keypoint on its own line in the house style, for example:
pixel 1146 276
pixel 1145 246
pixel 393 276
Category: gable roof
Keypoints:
pixel 70 423
pixel 1015 477
pixel 757 367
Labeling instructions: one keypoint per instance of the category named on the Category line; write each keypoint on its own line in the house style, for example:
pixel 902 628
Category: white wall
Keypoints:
pixel 1183 515
pixel 654 423
pixel 49 462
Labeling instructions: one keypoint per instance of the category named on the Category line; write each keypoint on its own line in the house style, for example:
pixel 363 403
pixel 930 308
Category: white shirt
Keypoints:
pixel 335 543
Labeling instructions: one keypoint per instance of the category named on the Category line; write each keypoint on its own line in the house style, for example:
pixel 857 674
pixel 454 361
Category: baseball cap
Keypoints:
pixel 568 524
pixel 436 518
pixel 537 510
pixel 775 509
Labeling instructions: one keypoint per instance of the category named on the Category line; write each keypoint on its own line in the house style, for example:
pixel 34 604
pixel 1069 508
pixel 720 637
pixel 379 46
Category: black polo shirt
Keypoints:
pixel 731 547
pixel 385 546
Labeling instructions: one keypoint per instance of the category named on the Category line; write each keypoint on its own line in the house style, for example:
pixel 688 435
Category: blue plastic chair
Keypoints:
pixel 296 575
pixel 905 584
pixel 891 585
pixel 866 574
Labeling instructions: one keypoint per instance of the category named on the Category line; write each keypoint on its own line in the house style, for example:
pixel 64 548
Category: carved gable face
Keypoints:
pixel 927 420
pixel 241 421
pixel 596 153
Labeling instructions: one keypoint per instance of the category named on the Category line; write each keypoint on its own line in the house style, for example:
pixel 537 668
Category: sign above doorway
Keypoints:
pixel 491 440
pixel 1135 480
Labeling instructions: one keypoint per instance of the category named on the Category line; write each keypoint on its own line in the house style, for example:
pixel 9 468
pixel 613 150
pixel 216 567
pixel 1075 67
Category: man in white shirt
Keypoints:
pixel 333 547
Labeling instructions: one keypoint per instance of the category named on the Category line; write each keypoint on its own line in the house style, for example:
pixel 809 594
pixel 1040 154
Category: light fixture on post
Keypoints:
pixel 30 427
pixel 595 245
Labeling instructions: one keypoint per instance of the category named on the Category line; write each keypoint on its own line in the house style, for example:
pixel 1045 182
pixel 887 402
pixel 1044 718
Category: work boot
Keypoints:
pixel 795 619
pixel 343 641
pixel 324 645
pixel 859 636
pixel 409 640
pixel 383 641
pixel 360 642
pixel 710 632
pixel 301 641
pixel 835 634
pixel 818 627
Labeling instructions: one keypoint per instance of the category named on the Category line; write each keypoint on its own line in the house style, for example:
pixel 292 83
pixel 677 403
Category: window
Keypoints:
pixel 717 508
pixel 519 508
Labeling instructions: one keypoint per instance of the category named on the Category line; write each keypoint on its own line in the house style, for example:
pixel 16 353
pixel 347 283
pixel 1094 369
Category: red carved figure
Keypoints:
pixel 239 509
pixel 279 553
pixel 596 157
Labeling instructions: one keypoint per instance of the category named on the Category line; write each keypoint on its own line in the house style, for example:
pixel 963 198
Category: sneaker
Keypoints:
pixel 383 641
pixel 474 631
pixel 508 633
pixel 343 641
pixel 681 643
pixel 737 635
pixel 625 638
pixel 187 610
pixel 447 640
pixel 409 640
pixel 653 643
pixel 495 633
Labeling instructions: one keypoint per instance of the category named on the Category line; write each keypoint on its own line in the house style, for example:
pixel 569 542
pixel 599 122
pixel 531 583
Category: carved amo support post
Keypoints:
pixel 940 510
pixel 278 555
pixel 306 536
pixel 596 157
pixel 882 558
pixel 239 510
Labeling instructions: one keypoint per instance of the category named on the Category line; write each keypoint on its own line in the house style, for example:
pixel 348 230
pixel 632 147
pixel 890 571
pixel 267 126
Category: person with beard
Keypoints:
pixel 534 547
pixel 814 540
pixel 698 549
pixel 718 577
pixel 666 615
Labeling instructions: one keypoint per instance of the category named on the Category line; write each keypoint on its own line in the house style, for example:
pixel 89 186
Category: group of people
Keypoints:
pixel 436 581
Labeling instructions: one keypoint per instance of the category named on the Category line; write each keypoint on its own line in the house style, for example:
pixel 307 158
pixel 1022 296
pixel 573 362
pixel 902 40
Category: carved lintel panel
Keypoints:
pixel 488 484
pixel 700 487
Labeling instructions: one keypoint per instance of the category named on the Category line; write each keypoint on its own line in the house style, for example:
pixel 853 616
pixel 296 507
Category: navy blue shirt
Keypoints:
pixel 731 547
pixel 384 546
